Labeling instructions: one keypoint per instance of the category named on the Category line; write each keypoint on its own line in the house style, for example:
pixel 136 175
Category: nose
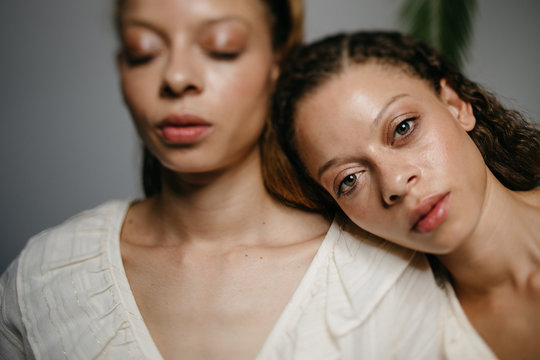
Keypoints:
pixel 182 75
pixel 396 181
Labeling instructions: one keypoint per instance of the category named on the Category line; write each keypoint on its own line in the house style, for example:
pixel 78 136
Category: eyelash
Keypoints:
pixel 412 127
pixel 134 61
pixel 412 123
pixel 227 56
pixel 341 185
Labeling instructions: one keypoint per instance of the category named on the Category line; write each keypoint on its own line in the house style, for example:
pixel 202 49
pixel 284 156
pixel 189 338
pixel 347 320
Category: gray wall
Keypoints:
pixel 66 140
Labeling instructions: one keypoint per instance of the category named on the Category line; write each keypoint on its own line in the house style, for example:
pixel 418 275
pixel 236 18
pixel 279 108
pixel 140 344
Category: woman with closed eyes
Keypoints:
pixel 414 152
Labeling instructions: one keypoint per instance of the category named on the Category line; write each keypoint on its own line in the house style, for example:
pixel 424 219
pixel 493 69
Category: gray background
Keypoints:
pixel 67 143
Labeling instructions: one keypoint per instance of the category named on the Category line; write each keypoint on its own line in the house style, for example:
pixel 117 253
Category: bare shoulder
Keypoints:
pixel 288 226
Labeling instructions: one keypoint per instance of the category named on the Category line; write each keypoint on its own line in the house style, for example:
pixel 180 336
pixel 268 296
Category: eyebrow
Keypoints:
pixel 145 23
pixel 330 163
pixel 142 23
pixel 375 123
pixel 380 114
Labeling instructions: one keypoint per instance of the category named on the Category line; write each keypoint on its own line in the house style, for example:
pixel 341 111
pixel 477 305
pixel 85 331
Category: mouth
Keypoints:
pixel 430 213
pixel 183 129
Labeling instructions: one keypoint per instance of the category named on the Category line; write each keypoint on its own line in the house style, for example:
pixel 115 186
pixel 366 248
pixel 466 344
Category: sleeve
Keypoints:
pixel 13 345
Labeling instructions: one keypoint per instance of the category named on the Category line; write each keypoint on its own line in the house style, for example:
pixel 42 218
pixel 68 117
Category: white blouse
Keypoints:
pixel 67 297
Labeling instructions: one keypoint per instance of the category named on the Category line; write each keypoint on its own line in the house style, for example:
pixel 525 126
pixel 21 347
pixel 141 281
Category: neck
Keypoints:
pixel 223 206
pixel 504 248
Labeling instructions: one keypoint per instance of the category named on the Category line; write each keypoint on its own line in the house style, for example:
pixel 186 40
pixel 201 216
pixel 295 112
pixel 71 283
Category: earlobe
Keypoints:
pixel 460 109
pixel 275 72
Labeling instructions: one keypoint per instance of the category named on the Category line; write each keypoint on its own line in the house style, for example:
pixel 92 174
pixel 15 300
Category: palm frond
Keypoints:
pixel 444 24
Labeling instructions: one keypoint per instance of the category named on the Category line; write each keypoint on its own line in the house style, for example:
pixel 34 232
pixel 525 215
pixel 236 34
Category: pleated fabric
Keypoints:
pixel 67 297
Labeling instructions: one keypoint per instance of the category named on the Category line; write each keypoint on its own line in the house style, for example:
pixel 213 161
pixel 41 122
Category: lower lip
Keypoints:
pixel 185 134
pixel 435 216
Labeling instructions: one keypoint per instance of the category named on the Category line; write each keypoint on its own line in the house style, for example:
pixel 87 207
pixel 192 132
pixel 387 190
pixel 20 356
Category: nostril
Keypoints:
pixel 191 88
pixel 411 179
pixel 393 198
pixel 167 92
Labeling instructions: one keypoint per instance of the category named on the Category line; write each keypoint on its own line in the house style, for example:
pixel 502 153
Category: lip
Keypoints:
pixel 183 129
pixel 429 213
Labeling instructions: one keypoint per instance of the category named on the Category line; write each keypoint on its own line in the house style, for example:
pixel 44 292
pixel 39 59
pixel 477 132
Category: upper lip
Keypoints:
pixel 423 208
pixel 183 120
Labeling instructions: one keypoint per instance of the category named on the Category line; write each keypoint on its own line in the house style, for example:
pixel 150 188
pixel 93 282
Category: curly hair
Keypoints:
pixel 510 145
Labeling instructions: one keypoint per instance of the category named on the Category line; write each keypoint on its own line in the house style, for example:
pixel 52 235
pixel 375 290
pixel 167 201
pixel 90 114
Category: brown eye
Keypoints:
pixel 347 184
pixel 403 127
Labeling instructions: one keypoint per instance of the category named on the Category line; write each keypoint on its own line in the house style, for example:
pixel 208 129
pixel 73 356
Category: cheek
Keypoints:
pixel 251 77
pixel 450 153
pixel 249 88
pixel 436 151
pixel 136 89
pixel 366 213
pixel 243 99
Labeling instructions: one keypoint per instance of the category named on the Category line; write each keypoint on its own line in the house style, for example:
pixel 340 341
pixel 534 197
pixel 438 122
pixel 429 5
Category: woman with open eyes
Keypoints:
pixel 224 258
pixel 414 152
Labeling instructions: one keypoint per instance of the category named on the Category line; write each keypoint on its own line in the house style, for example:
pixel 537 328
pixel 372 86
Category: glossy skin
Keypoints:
pixel 391 152
pixel 214 56
pixel 213 259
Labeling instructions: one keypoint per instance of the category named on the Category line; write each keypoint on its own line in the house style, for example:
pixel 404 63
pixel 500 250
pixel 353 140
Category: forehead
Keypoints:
pixel 182 10
pixel 358 90
pixel 339 113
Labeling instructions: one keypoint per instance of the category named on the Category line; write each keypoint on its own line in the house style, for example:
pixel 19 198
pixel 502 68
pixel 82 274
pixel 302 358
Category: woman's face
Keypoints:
pixel 395 156
pixel 196 77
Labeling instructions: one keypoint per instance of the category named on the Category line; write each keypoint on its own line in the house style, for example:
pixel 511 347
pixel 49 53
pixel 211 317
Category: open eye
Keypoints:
pixel 404 129
pixel 347 184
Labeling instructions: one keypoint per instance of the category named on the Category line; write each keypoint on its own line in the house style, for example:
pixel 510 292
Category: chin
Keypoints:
pixel 190 168
pixel 442 247
pixel 435 245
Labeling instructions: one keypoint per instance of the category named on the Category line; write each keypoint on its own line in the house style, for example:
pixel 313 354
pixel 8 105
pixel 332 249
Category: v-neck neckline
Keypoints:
pixel 141 331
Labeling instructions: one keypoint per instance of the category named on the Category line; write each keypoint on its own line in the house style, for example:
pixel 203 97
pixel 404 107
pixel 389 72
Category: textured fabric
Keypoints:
pixel 461 338
pixel 67 297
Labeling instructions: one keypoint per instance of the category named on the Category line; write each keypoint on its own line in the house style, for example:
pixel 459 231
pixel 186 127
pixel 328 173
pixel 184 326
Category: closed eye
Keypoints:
pixel 134 61
pixel 221 55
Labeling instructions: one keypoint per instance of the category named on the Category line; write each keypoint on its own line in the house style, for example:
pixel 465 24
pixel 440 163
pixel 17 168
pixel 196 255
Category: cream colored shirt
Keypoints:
pixel 67 297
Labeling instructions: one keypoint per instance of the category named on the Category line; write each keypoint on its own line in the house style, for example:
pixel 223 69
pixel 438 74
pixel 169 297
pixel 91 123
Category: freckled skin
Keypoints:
pixel 439 156
pixel 392 142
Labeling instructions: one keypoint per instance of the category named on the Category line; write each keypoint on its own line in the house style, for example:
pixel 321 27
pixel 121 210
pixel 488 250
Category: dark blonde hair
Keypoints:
pixel 286 19
pixel 510 145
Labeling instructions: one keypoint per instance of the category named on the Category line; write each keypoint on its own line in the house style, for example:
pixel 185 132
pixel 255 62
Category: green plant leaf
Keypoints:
pixel 444 24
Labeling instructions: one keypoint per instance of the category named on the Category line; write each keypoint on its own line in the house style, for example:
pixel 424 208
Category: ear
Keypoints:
pixel 275 72
pixel 461 109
